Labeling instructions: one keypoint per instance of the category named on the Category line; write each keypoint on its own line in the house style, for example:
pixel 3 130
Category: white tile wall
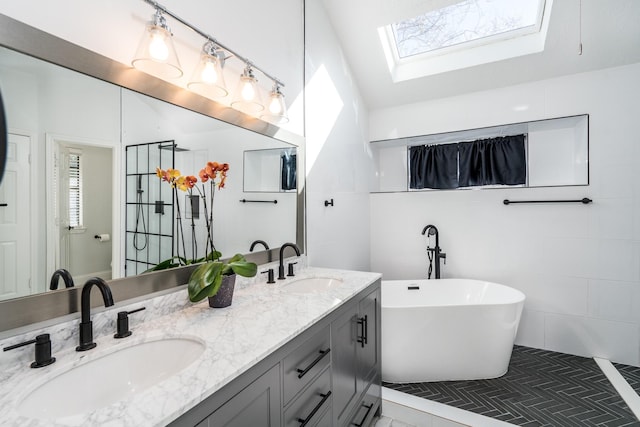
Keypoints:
pixel 592 337
pixel 578 265
pixel 339 162
pixel 531 328
pixel 613 300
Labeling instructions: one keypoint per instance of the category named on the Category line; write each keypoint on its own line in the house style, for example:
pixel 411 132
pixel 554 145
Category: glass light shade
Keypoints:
pixel 156 54
pixel 207 78
pixel 276 110
pixel 247 96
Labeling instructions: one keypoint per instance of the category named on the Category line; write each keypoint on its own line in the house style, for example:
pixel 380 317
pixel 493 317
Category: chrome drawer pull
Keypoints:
pixel 303 372
pixel 304 422
pixel 361 423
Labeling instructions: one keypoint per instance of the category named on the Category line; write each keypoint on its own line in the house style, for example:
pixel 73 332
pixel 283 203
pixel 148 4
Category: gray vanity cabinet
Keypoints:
pixel 355 339
pixel 329 375
pixel 258 405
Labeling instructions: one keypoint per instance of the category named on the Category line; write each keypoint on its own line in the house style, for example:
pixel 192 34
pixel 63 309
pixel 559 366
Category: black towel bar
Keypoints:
pixel 258 201
pixel 511 202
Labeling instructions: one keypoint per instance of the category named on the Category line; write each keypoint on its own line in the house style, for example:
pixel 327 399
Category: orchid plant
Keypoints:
pixel 205 280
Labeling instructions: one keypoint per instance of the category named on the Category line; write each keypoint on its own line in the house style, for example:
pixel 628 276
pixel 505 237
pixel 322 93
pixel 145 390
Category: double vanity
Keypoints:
pixel 304 351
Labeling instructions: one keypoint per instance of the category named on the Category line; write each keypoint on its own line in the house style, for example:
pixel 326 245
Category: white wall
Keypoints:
pixel 338 159
pixel 578 265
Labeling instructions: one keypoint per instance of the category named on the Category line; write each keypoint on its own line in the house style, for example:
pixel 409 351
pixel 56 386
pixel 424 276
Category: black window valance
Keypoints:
pixel 494 161
pixel 433 166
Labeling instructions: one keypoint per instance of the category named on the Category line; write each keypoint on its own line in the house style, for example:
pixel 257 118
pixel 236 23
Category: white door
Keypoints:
pixel 15 214
pixel 62 214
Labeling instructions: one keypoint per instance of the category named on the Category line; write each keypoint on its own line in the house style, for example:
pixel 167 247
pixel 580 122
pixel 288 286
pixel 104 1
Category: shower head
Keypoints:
pixel 140 191
pixel 173 147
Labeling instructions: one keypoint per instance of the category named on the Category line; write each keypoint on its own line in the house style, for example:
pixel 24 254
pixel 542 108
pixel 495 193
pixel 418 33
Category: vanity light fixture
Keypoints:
pixel 207 78
pixel 276 110
pixel 247 95
pixel 156 55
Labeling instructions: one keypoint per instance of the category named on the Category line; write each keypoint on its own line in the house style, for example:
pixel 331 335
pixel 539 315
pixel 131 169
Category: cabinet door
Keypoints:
pixel 368 347
pixel 256 405
pixel 344 364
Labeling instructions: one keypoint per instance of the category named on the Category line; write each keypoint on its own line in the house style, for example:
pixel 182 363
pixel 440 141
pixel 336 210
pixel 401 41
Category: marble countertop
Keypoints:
pixel 262 318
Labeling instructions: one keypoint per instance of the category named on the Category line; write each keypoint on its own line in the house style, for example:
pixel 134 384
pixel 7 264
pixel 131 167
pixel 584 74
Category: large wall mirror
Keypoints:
pixel 84 139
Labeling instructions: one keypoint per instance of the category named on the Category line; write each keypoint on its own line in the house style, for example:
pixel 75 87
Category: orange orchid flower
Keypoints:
pixel 204 177
pixel 184 183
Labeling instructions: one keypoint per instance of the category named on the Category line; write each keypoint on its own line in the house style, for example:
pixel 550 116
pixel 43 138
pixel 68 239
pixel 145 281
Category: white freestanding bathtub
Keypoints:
pixel 447 329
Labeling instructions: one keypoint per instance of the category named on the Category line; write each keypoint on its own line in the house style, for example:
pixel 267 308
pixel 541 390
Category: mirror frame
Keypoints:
pixel 31 41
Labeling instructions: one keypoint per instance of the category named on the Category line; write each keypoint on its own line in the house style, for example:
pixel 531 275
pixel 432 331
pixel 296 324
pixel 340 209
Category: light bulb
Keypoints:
pixel 248 93
pixel 275 107
pixel 209 74
pixel 158 48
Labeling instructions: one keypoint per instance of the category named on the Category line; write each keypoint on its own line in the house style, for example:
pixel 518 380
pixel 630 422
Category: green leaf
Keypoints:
pixel 205 281
pixel 244 268
pixel 211 256
pixel 168 263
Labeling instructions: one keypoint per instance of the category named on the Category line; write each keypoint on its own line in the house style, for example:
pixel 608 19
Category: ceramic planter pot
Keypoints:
pixel 225 293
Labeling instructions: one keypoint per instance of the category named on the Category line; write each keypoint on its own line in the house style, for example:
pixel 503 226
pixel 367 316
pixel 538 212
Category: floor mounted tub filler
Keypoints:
pixel 447 329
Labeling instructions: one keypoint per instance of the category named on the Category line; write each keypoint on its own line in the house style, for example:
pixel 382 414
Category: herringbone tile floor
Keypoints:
pixel 541 388
pixel 631 374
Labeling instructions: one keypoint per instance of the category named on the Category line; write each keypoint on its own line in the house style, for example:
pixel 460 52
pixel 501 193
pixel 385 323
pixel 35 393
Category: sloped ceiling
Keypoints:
pixel 610 37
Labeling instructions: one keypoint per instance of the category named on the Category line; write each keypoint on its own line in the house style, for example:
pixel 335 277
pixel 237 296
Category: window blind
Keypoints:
pixel 75 191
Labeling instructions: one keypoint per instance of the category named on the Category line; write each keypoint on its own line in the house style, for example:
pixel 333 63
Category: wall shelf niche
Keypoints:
pixel 557 153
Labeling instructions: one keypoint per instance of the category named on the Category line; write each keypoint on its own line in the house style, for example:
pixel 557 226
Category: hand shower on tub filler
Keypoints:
pixel 435 254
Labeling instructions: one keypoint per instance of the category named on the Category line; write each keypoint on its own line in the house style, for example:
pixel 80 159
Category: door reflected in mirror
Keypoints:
pixel 82 208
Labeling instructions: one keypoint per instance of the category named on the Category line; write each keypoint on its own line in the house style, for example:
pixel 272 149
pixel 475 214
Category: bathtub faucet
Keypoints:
pixel 437 252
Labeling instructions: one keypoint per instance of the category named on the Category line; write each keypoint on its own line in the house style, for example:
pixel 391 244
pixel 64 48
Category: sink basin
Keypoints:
pixel 313 284
pixel 110 378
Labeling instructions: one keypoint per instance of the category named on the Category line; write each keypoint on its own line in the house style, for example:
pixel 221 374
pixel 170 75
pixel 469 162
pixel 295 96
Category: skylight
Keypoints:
pixel 465 34
pixel 465 23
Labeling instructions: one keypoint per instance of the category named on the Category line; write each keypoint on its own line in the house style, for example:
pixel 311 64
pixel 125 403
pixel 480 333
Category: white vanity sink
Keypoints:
pixel 313 284
pixel 110 378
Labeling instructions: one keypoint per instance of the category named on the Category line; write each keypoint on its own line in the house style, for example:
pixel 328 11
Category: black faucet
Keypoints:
pixel 281 275
pixel 66 277
pixel 86 326
pixel 263 243
pixel 437 252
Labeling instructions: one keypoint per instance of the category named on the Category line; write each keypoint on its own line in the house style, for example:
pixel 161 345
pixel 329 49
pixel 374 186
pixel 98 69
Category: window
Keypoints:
pixel 464 34
pixel 75 191
pixel 466 22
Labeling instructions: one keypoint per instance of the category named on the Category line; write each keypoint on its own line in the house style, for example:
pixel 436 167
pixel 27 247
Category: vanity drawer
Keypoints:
pixel 305 362
pixel 366 410
pixel 312 403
